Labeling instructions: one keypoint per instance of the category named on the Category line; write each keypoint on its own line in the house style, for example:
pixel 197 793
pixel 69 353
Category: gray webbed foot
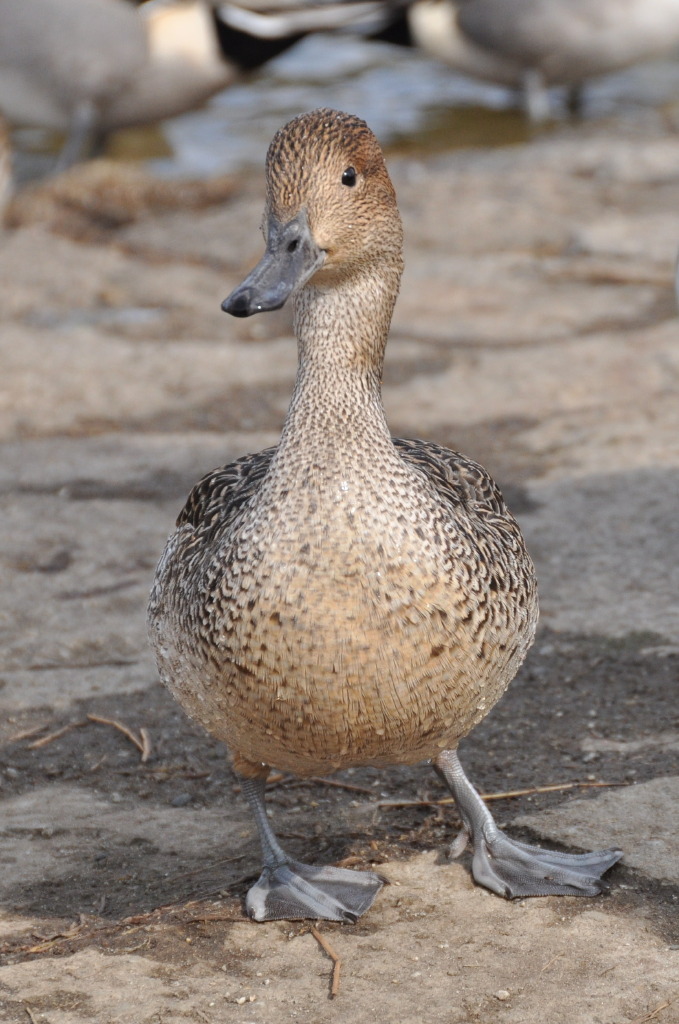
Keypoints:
pixel 513 869
pixel 290 890
pixel 294 891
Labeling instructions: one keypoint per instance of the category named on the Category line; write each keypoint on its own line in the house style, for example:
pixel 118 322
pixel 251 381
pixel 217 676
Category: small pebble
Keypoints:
pixel 502 995
pixel 181 800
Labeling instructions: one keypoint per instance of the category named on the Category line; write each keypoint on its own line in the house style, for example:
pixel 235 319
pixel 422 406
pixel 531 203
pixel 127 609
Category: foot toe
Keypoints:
pixel 295 891
pixel 514 869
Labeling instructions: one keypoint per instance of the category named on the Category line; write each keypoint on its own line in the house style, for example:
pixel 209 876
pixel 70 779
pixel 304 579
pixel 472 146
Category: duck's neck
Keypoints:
pixel 342 332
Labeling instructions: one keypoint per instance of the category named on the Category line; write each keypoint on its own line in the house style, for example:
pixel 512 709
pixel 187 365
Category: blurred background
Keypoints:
pixel 412 99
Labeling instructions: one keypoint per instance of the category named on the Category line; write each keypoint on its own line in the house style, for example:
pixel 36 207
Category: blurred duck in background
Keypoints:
pixel 5 168
pixel 89 67
pixel 533 44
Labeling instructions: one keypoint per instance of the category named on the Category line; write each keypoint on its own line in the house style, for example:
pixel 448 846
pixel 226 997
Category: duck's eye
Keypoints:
pixel 349 177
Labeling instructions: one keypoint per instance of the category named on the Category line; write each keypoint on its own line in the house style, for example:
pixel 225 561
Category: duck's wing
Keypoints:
pixel 223 492
pixel 458 479
pixel 280 19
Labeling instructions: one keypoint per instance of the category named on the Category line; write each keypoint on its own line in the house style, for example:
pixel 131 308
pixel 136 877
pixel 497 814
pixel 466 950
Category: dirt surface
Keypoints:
pixel 537 332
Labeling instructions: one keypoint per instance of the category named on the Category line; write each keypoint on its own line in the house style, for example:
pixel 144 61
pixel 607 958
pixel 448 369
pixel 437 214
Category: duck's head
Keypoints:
pixel 330 211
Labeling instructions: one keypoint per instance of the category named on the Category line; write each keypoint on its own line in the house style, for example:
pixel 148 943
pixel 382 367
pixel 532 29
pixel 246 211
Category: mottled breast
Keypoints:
pixel 345 621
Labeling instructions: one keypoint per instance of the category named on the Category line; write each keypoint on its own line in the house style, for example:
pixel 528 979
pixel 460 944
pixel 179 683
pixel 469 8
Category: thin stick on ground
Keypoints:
pixel 277 779
pixel 144 747
pixel 551 789
pixel 44 740
pixel 447 800
pixel 552 961
pixel 88 929
pixel 25 733
pixel 653 1013
pixel 336 962
pixel 339 785
pixel 30 1013
pixel 206 867
pixel 49 941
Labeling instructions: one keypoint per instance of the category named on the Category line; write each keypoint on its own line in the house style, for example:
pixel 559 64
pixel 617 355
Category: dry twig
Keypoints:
pixel 206 867
pixel 44 740
pixel 552 961
pixel 143 745
pixel 336 962
pixel 30 1013
pixel 25 733
pixel 348 862
pixel 48 941
pixel 278 779
pixel 446 800
pixel 652 1013
pixel 340 785
pixel 209 918
pixel 176 772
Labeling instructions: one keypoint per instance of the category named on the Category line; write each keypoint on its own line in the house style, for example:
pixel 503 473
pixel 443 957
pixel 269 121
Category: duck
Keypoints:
pixel 5 169
pixel 530 45
pixel 346 598
pixel 90 67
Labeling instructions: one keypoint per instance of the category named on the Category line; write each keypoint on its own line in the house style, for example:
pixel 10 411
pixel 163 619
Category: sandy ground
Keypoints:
pixel 537 332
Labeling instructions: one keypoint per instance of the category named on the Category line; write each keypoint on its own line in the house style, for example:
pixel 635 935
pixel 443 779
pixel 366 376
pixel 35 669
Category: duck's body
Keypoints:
pixel 339 642
pixel 532 44
pixel 343 599
pixel 5 168
pixel 89 67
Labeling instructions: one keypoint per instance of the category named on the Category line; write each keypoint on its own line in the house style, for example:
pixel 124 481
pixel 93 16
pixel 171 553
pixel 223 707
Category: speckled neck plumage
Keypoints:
pixel 342 333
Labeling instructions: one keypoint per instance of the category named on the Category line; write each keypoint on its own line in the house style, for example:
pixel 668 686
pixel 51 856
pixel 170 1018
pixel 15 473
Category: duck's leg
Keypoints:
pixel 535 96
pixel 575 99
pixel 508 867
pixel 81 139
pixel 290 890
